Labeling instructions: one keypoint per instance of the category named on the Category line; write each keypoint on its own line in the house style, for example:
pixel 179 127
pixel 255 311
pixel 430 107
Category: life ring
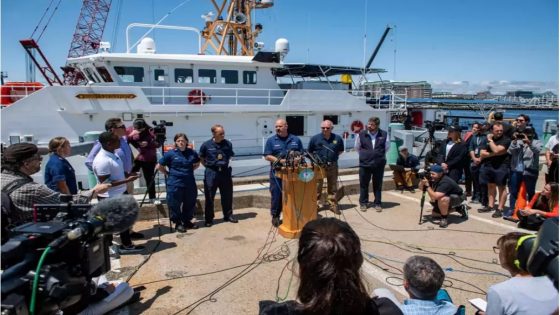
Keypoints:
pixel 197 97
pixel 356 126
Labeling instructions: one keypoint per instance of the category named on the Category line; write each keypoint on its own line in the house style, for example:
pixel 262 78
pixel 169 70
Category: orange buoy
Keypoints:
pixel 197 97
pixel 356 126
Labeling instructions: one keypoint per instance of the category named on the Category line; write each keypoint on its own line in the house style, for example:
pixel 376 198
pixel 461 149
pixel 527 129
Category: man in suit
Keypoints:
pixel 452 154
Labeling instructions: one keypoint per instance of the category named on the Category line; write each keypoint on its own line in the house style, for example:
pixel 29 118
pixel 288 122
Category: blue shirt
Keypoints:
pixel 59 169
pixel 432 307
pixel 180 165
pixel 327 149
pixel 124 153
pixel 216 154
pixel 279 146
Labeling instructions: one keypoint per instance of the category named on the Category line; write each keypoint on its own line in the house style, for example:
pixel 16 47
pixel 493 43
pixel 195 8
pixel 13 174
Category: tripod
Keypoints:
pixel 422 201
pixel 429 141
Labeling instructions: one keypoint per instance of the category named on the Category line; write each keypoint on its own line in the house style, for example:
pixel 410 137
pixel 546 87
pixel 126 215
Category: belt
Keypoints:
pixel 218 168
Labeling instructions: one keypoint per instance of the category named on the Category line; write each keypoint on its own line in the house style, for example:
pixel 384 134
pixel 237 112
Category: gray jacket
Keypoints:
pixel 529 153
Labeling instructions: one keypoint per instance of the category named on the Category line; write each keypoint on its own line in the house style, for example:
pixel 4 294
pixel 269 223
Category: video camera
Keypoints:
pixel 432 126
pixel 160 130
pixel 68 252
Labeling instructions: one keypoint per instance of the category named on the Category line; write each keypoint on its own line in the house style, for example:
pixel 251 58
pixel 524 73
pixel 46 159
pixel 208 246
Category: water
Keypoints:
pixel 537 116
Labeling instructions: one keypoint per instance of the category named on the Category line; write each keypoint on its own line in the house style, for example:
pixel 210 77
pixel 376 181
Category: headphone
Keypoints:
pixel 523 251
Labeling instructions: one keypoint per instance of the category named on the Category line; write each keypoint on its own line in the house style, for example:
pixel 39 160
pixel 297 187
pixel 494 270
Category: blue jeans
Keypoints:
pixel 515 180
pixel 368 174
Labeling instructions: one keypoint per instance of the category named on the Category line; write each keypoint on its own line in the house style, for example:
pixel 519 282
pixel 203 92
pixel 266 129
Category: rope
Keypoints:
pixel 50 18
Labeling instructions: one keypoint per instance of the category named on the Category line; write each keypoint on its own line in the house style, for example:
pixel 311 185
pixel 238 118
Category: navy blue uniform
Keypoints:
pixel 328 150
pixel 59 169
pixel 217 174
pixel 279 147
pixel 181 185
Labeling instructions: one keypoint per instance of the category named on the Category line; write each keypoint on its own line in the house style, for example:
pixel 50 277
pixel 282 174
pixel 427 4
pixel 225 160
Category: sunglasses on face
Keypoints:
pixel 325 128
pixel 521 120
pixel 121 127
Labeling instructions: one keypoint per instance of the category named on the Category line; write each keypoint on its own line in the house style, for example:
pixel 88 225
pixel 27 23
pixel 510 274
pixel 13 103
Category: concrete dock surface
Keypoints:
pixel 228 268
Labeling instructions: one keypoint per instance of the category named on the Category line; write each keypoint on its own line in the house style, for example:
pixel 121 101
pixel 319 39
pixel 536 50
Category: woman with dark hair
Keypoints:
pixel 144 140
pixel 181 186
pixel 330 258
pixel 59 174
pixel 522 294
pixel 544 205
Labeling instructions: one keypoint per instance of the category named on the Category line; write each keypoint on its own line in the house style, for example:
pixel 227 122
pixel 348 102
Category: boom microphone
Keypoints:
pixel 117 214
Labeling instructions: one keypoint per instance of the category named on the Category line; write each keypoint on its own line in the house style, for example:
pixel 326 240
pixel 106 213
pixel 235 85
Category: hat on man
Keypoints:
pixel 436 168
pixel 22 151
pixel 454 129
pixel 403 147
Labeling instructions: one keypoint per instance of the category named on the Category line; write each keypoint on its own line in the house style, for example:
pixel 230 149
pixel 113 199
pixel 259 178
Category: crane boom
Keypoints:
pixel 376 50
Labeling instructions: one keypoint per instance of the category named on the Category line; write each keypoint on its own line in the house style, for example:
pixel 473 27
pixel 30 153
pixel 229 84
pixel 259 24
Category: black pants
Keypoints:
pixel 148 171
pixel 125 235
pixel 214 179
pixel 552 175
pixel 455 174
pixel 480 190
pixel 468 178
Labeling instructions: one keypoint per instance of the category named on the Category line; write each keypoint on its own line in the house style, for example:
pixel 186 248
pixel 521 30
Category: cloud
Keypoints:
pixel 495 86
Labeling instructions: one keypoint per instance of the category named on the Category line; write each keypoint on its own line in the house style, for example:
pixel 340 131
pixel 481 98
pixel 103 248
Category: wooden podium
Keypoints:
pixel 299 198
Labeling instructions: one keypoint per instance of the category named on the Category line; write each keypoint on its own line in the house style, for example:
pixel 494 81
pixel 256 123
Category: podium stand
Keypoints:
pixel 299 198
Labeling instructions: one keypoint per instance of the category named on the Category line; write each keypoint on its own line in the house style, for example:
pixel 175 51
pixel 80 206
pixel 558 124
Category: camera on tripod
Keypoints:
pixel 67 251
pixel 432 126
pixel 160 130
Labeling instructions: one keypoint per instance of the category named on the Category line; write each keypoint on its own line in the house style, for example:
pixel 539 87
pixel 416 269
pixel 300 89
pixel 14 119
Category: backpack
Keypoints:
pixel 8 206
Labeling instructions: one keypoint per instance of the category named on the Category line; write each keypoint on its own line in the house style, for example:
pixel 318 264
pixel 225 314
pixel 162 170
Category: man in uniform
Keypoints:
pixel 276 151
pixel 215 154
pixel 327 146
pixel 371 145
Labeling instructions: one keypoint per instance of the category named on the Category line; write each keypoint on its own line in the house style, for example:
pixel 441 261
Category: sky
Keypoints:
pixel 457 46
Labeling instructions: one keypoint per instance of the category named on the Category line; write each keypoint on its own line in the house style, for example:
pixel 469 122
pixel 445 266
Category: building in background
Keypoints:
pixel 419 89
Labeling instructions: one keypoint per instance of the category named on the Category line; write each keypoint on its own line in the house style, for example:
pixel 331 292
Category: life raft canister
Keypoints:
pixel 11 92
pixel 197 97
pixel 356 126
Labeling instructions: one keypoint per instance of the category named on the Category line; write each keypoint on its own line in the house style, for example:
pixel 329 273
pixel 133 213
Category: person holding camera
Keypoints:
pixel 522 125
pixel 179 165
pixel 495 168
pixel 372 144
pixel 404 178
pixel 524 169
pixel 445 194
pixel 144 140
pixel 477 142
pixel 215 154
pixel 276 152
pixel 452 154
pixel 327 146
pixel 19 162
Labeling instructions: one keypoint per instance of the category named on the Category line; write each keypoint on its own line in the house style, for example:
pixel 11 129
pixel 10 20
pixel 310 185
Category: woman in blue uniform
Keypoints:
pixel 179 165
pixel 59 174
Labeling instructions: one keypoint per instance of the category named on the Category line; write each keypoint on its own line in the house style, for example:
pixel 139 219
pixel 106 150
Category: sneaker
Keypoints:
pixel 152 200
pixel 484 209
pixel 190 225
pixel 132 249
pixel 276 221
pixel 511 219
pixel 498 213
pixel 363 208
pixel 180 228
pixel 378 208
pixel 443 223
pixel 463 210
pixel 334 208
pixel 136 235
pixel 114 251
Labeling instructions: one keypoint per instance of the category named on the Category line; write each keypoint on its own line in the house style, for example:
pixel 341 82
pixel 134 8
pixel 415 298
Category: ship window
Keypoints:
pixel 130 74
pixel 206 76
pixel 159 75
pixel 104 74
pixel 295 125
pixel 89 75
pixel 230 77
pixel 333 118
pixel 183 76
pixel 249 77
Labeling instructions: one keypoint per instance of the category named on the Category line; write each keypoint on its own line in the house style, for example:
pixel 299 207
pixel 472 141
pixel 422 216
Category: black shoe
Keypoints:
pixel 463 211
pixel 180 228
pixel 231 219
pixel 511 219
pixel 190 225
pixel 410 189
pixel 276 221
pixel 136 235
pixel 208 223
pixel 484 209
pixel 132 249
pixel 497 214
pixel 443 223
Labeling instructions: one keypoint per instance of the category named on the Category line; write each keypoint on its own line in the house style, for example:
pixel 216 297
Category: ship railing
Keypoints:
pixel 382 98
pixel 198 95
pixel 12 93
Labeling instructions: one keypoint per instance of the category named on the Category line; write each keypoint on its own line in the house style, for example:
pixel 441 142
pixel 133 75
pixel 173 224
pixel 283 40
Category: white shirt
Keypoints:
pixel 107 163
pixel 448 148
pixel 357 143
pixel 552 142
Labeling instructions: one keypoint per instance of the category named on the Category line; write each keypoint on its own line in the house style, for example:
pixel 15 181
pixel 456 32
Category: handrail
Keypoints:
pixel 168 27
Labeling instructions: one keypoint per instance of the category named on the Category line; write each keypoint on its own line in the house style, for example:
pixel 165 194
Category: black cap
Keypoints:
pixel 454 128
pixel 22 151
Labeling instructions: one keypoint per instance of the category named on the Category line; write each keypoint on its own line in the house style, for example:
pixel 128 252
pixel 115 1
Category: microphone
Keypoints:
pixel 117 214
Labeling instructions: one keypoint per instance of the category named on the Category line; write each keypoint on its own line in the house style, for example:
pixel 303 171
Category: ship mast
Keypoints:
pixel 231 32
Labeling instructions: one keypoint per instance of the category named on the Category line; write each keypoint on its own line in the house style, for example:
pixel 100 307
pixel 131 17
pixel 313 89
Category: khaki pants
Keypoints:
pixel 331 174
pixel 404 178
